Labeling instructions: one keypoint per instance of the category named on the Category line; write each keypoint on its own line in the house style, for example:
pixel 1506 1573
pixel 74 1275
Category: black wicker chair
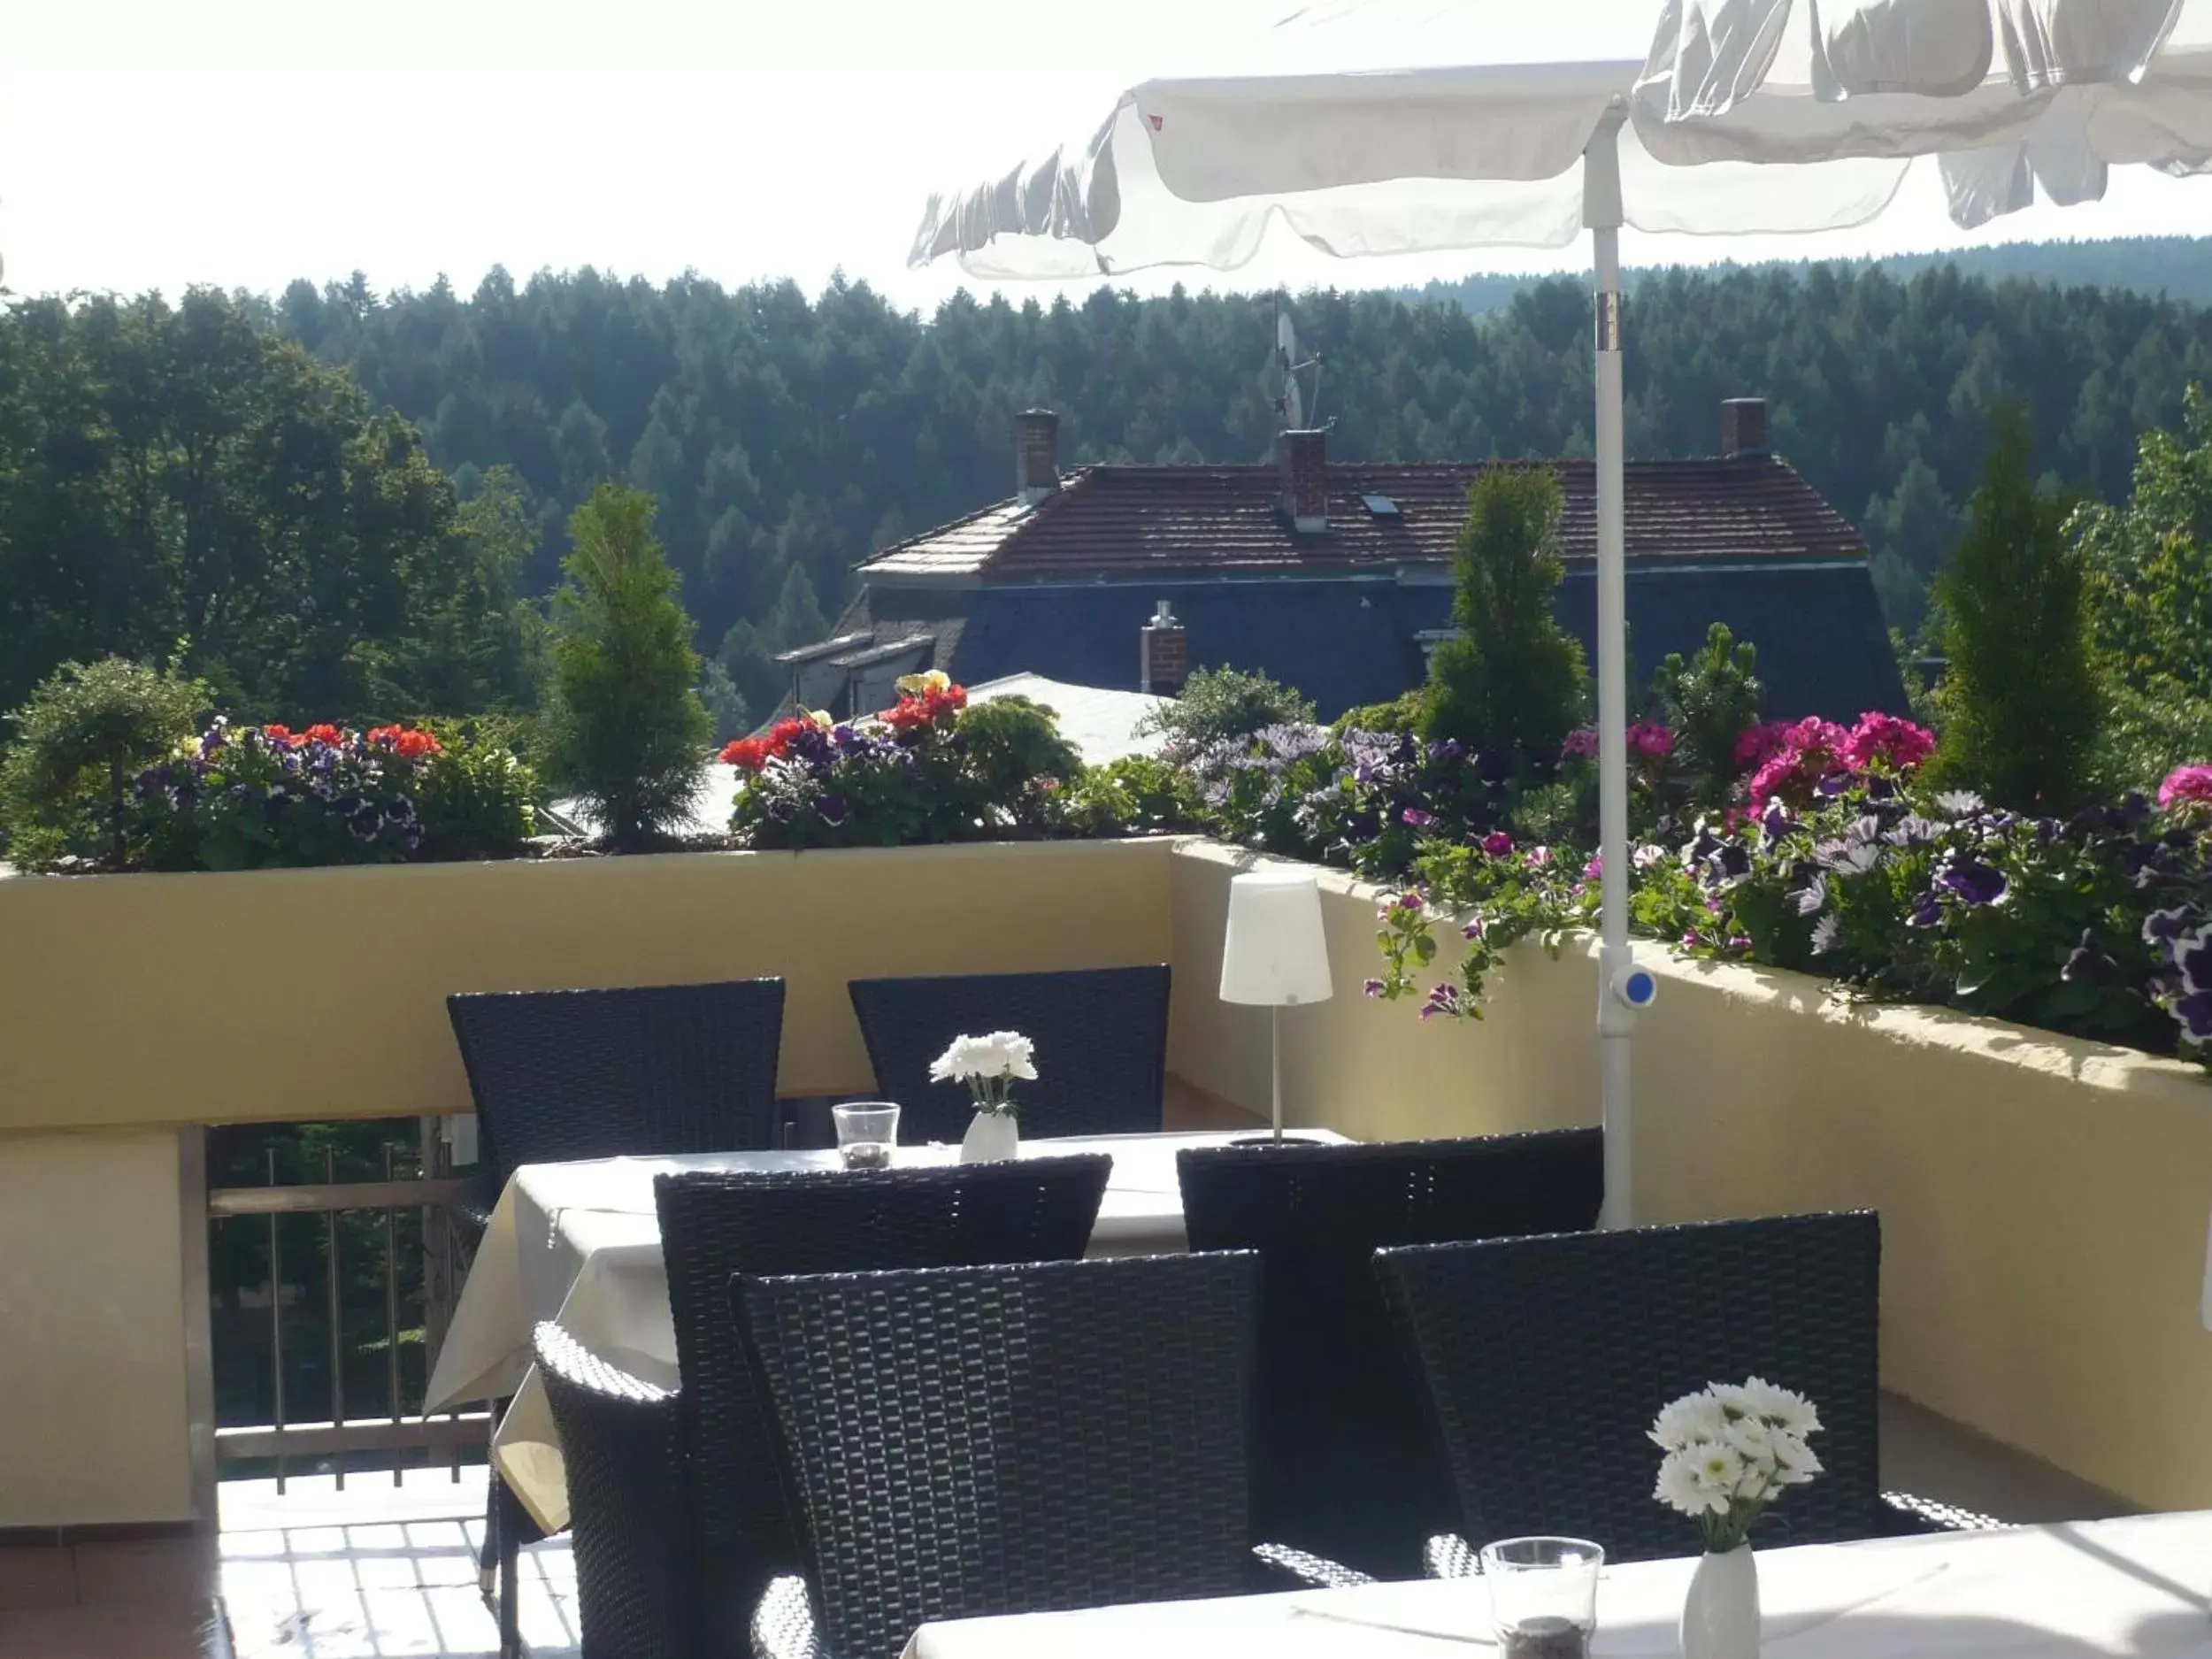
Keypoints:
pixel 1100 1036
pixel 621 1443
pixel 973 1440
pixel 1345 1464
pixel 716 1226
pixel 641 1069
pixel 1547 1358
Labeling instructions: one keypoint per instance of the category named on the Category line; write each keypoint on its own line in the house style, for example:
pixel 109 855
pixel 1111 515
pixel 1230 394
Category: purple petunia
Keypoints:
pixel 1972 880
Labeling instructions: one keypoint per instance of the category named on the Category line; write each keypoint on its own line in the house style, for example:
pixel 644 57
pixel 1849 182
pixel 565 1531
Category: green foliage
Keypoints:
pixel 2020 699
pixel 1138 794
pixel 625 729
pixel 1710 702
pixel 1511 683
pixel 476 797
pixel 1216 704
pixel 80 739
pixel 2150 566
pixel 727 707
pixel 186 471
pixel 1405 715
pixel 1010 750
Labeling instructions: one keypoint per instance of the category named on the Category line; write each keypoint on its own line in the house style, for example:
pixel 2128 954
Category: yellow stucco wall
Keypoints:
pixel 1372 1070
pixel 92 1343
pixel 319 994
pixel 2044 1201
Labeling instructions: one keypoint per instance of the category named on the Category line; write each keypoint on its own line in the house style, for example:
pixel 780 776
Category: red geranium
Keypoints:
pixel 323 733
pixel 748 754
pixel 406 743
pixel 934 705
pixel 281 736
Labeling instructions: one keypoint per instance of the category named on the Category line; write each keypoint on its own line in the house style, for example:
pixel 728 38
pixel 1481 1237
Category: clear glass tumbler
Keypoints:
pixel 1543 1595
pixel 866 1131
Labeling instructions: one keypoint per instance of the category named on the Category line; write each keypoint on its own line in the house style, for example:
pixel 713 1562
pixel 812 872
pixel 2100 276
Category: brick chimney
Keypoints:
pixel 1303 456
pixel 1743 427
pixel 1163 654
pixel 1036 454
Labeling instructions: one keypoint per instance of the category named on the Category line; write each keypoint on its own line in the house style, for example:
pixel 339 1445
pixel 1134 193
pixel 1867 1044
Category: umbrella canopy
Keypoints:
pixel 1370 126
pixel 1374 127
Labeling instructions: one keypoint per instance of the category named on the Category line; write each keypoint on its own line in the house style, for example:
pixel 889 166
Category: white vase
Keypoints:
pixel 991 1137
pixel 1720 1616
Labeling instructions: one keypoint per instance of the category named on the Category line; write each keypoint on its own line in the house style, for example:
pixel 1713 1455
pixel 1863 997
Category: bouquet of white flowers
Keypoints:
pixel 1730 1449
pixel 989 1065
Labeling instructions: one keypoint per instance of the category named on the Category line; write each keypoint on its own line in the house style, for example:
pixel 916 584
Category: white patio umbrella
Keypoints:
pixel 1371 127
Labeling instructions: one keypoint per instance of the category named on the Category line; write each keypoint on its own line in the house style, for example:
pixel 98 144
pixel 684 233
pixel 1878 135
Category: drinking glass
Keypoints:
pixel 866 1131
pixel 1543 1595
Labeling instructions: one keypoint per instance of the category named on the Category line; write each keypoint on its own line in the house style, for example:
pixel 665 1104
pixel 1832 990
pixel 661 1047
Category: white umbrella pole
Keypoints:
pixel 1617 1020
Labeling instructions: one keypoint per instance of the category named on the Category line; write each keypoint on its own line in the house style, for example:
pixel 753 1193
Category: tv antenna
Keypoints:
pixel 1296 411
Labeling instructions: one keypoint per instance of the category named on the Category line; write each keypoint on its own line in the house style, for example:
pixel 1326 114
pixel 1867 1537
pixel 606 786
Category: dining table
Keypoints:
pixel 2136 1585
pixel 580 1243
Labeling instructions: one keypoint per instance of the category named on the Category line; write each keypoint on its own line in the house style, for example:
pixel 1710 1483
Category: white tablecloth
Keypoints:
pixel 2135 1586
pixel 580 1243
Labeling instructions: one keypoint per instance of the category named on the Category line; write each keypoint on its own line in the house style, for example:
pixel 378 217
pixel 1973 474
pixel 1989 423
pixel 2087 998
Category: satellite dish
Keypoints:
pixel 1292 402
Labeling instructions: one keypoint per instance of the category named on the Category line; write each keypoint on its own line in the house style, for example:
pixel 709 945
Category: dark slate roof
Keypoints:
pixel 1824 648
pixel 1140 520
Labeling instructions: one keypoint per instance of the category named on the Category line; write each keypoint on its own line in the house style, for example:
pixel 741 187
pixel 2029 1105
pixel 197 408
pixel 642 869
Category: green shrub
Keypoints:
pixel 82 739
pixel 1710 702
pixel 1216 704
pixel 1011 759
pixel 2020 697
pixel 476 797
pixel 626 729
pixel 1403 716
pixel 1511 683
pixel 1138 794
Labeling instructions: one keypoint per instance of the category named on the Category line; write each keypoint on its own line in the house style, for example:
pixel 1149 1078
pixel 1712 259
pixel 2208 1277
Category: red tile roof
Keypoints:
pixel 1134 520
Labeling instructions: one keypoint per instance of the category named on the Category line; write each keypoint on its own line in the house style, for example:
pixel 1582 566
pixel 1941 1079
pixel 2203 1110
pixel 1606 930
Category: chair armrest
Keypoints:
pixel 628 1510
pixel 1313 1572
pixel 1908 1514
pixel 783 1621
pixel 1449 1555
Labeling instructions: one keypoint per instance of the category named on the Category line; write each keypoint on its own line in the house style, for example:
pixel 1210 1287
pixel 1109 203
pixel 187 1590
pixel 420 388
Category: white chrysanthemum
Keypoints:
pixel 1784 1407
pixel 1003 1053
pixel 1692 1418
pixel 1794 1461
pixel 1753 1441
pixel 1679 1488
pixel 1014 1053
pixel 1719 1466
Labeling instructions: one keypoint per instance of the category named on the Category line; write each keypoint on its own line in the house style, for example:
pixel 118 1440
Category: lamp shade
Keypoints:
pixel 1275 954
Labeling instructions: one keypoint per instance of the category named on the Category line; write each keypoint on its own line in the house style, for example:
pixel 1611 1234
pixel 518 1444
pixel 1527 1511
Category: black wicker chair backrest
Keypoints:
pixel 619 1445
pixel 715 1226
pixel 1345 1463
pixel 1546 1359
pixel 1100 1036
pixel 979 1441
pixel 654 1068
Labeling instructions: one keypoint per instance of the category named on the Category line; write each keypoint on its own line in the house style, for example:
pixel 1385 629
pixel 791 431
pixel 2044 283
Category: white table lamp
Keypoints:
pixel 1275 956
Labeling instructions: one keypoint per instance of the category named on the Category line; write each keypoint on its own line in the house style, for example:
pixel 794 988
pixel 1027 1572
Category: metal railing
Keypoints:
pixel 388 1246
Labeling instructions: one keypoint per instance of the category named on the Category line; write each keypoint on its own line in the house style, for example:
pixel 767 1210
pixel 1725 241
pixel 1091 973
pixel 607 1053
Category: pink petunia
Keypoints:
pixel 2186 785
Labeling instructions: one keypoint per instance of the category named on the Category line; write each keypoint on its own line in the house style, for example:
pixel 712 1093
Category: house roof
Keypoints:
pixel 1354 637
pixel 1132 521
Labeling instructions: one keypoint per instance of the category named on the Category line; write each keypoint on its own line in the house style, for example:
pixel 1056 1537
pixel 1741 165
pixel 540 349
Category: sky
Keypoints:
pixel 157 144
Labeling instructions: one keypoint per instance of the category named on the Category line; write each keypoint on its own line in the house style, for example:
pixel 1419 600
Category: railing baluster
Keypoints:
pixel 391 1313
pixel 276 1325
pixel 337 1336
